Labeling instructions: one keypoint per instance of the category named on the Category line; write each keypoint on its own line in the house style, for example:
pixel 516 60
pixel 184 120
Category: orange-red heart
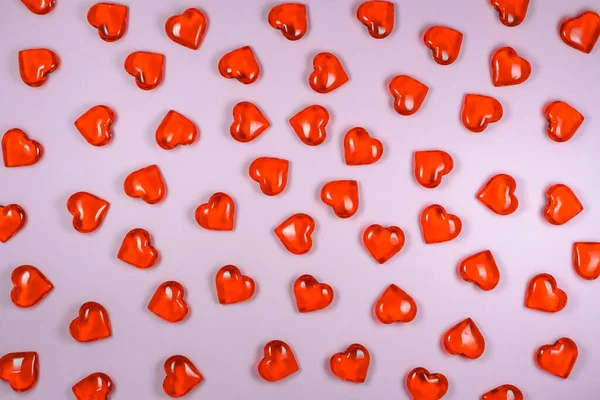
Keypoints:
pixel 352 365
pixel 36 64
pixel 278 361
pixel 342 196
pixel 18 150
pixel 581 32
pixel 176 130
pixel 232 286
pixel 30 286
pixel 311 295
pixel 328 73
pixel 95 125
pixel 110 19
pixel 480 269
pixel 39 7
pixel 88 211
pixel 20 370
pixel 12 220
pixel 360 148
pixel 439 226
pixel 248 122
pixel 290 19
pixel 187 29
pixel 270 173
pixel 479 111
pixel 218 214
pixel 295 233
pixel 91 324
pixel 425 386
pixel 508 68
pixel 378 16
pixel 498 194
pixel 147 68
pixel 96 386
pixel 240 64
pixel 395 305
pixel 430 166
pixel 464 339
pixel 563 205
pixel 137 250
pixel 168 303
pixel 558 358
pixel 181 376
pixel 543 294
pixel 147 184
pixel 383 243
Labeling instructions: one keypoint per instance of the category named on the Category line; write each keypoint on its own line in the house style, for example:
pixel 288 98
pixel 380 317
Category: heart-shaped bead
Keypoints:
pixel 95 125
pixel 137 250
pixel 110 19
pixel 181 376
pixel 18 150
pixel 295 233
pixel 20 370
pixel 328 73
pixel 438 226
pixel 352 365
pixel 425 386
pixel 92 323
pixel 147 184
pixel 383 243
pixel 479 111
pixel 480 269
pixel 444 43
pixel 503 392
pixel 543 294
pixel 147 68
pixel 248 122
pixel 176 130
pixel 311 295
pixel 409 94
pixel 12 220
pixel 30 286
pixel 309 124
pixel 218 214
pixel 39 7
pixel 278 361
pixel 360 148
pixel 558 358
pixel 378 16
pixel 290 19
pixel 498 194
pixel 232 286
pixel 581 32
pixel 508 68
pixel 511 12
pixel 342 196
pixel 430 166
pixel 563 120
pixel 586 259
pixel 187 29
pixel 88 211
pixel 96 386
pixel 270 173
pixel 395 305
pixel 562 205
pixel 36 64
pixel 168 303
pixel 240 64
pixel 464 339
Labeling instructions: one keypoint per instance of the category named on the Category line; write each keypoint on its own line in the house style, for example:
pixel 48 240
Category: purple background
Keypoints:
pixel 225 342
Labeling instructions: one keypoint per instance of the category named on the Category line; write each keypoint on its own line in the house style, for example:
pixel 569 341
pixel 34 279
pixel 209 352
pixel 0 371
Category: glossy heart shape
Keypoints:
pixel 543 294
pixel 176 130
pixel 96 386
pixel 181 376
pixel 503 392
pixel 232 286
pixel 352 365
pixel 480 269
pixel 360 148
pixel 290 19
pixel 464 339
pixel 378 17
pixel 563 120
pixel 558 358
pixel 168 303
pixel 508 68
pixel 39 7
pixel 88 211
pixel 328 73
pixel 147 184
pixel 270 173
pixel 278 361
pixel 395 305
pixel 498 194
pixel 425 386
pixel 147 68
pixel 240 64
pixel 218 214
pixel 511 12
pixel 342 196
pixel 311 295
pixel 18 150
pixel 187 29
pixel 295 233
pixel 95 125
pixel 581 32
pixel 562 205
pixel 309 124
pixel 91 324
pixel 110 19
pixel 248 122
pixel 383 243
pixel 438 226
pixel 36 64
pixel 409 94
pixel 12 220
pixel 430 166
pixel 478 111
pixel 137 250
pixel 586 259
pixel 30 286
pixel 20 370
pixel 444 43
